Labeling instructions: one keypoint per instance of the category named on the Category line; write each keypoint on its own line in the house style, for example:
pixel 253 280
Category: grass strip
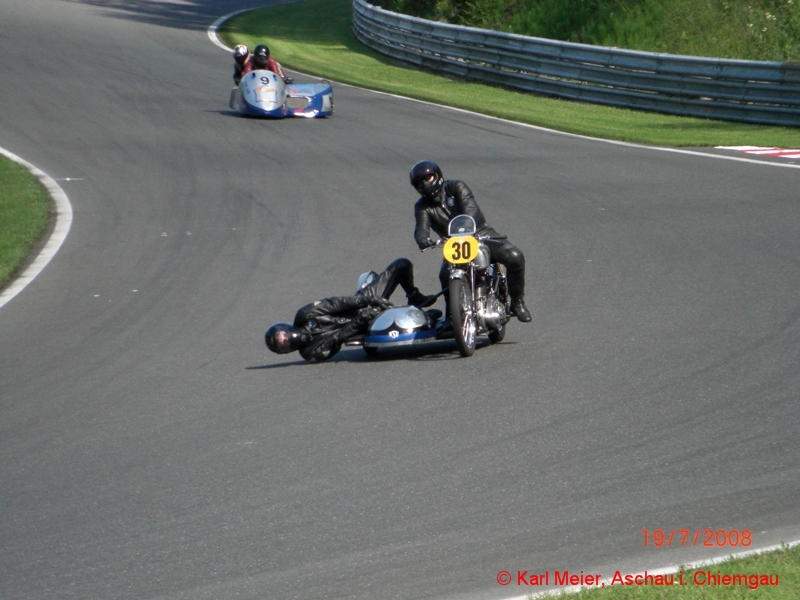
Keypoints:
pixel 315 37
pixel 24 216
pixel 772 575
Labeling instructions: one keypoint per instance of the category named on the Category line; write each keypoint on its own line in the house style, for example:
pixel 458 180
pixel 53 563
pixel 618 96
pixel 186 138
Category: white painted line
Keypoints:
pixel 613 142
pixel 214 27
pixel 767 152
pixel 739 148
pixel 764 151
pixel 57 237
pixel 663 571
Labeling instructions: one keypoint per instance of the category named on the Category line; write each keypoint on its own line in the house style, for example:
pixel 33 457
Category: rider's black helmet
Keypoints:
pixel 283 338
pixel 261 55
pixel 427 178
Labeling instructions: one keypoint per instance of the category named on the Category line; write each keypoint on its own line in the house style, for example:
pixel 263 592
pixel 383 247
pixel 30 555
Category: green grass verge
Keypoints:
pixel 781 567
pixel 315 37
pixel 24 216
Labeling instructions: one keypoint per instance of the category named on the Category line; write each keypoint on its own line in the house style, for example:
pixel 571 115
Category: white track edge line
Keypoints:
pixel 663 571
pixel 214 27
pixel 57 236
pixel 212 34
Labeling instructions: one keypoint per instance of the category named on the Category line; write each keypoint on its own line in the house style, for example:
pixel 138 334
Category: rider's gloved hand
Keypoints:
pixel 380 302
pixel 426 243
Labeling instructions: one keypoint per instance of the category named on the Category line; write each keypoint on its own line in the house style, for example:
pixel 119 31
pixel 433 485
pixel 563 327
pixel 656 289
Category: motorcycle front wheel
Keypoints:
pixel 496 335
pixel 465 325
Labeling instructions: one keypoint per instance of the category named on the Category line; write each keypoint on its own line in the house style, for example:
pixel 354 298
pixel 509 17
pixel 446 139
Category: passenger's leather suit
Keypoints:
pixel 330 322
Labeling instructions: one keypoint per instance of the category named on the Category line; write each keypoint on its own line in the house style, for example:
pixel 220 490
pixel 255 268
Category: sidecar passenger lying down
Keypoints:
pixel 262 93
pixel 401 326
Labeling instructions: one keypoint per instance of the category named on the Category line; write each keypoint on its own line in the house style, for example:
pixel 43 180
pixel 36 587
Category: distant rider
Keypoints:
pixel 442 200
pixel 320 328
pixel 262 60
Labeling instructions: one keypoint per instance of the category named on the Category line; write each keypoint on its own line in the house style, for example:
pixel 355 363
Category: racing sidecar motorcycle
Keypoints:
pixel 478 293
pixel 262 93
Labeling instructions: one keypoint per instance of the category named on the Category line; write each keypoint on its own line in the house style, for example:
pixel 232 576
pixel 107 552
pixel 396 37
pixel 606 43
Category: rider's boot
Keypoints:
pixel 519 309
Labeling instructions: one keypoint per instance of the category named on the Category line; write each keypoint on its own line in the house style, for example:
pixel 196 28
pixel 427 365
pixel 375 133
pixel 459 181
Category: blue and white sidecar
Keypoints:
pixel 262 93
pixel 398 325
pixel 403 326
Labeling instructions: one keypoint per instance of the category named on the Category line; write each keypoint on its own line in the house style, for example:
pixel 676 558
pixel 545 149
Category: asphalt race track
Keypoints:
pixel 151 447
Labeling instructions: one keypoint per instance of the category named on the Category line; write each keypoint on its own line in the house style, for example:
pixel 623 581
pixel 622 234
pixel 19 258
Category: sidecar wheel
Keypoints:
pixel 371 351
pixel 465 325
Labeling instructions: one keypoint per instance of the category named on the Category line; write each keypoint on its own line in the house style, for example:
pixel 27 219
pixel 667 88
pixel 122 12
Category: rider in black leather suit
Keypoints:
pixel 442 200
pixel 320 328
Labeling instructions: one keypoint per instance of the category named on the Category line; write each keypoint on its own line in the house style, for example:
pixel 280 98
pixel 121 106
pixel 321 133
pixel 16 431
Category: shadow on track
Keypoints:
pixel 436 351
pixel 192 15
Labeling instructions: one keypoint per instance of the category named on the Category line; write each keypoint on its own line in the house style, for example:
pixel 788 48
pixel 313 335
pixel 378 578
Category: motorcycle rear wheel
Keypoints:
pixel 465 324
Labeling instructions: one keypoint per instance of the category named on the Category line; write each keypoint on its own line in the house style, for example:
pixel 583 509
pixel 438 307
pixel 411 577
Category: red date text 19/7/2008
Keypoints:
pixel 709 538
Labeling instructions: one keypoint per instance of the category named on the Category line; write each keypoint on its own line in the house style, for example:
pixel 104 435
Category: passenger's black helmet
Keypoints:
pixel 261 55
pixel 283 338
pixel 427 178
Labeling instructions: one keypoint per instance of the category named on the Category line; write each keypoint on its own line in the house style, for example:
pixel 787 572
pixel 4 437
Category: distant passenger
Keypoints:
pixel 241 54
pixel 320 328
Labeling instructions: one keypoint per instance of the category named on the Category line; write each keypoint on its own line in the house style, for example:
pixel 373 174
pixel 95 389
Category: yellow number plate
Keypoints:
pixel 460 250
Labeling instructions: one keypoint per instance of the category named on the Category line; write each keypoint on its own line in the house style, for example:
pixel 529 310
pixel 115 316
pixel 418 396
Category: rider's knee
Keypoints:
pixel 513 258
pixel 400 264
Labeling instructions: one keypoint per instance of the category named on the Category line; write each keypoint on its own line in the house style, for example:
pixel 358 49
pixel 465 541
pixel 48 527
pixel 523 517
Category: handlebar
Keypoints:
pixel 481 238
pixel 439 243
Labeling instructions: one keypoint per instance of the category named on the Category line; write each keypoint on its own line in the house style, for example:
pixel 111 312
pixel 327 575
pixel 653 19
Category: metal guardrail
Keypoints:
pixel 735 90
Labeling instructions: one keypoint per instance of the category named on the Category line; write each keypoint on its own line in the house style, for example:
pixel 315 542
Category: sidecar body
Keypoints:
pixel 262 93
